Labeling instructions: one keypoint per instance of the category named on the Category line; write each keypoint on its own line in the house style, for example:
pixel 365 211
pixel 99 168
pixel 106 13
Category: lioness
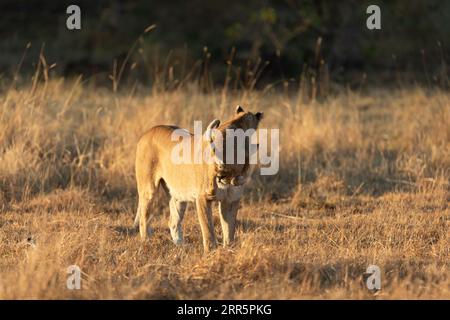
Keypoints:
pixel 200 182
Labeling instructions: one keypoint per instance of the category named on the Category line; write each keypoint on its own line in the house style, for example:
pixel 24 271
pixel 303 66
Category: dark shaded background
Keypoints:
pixel 192 36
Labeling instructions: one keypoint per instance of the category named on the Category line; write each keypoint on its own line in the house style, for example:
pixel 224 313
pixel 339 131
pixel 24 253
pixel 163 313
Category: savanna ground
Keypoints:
pixel 364 179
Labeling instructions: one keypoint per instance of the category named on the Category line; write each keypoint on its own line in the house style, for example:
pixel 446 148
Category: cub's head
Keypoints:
pixel 242 120
pixel 231 145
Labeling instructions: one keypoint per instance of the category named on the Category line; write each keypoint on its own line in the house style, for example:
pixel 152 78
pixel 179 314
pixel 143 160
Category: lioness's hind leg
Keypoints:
pixel 177 209
pixel 142 214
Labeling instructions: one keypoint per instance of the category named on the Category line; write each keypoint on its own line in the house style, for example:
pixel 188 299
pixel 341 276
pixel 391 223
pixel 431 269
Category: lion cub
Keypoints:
pixel 201 183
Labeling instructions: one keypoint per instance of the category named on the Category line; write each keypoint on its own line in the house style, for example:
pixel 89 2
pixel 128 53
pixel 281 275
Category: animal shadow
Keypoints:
pixel 125 230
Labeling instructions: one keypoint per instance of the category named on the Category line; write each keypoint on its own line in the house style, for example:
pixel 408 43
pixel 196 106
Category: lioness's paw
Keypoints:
pixel 177 238
pixel 178 242
pixel 145 235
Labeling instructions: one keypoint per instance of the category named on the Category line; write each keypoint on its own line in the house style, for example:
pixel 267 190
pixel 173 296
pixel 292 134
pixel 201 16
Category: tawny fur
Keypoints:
pixel 201 183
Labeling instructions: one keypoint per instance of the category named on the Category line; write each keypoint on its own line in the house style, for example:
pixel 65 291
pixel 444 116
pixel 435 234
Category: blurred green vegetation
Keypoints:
pixel 192 36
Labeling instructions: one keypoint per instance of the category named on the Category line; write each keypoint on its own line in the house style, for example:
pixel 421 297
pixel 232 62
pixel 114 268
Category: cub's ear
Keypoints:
pixel 259 116
pixel 239 109
pixel 209 130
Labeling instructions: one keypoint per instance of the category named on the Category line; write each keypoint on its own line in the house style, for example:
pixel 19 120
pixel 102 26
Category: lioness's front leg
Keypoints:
pixel 228 211
pixel 206 223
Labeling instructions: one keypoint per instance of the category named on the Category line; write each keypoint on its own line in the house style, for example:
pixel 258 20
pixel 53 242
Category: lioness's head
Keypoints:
pixel 231 145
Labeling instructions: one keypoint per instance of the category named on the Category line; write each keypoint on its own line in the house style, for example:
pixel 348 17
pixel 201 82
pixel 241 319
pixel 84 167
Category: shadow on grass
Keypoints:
pixel 127 230
pixel 376 174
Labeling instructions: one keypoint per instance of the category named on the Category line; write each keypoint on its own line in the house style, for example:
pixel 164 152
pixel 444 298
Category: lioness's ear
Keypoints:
pixel 239 109
pixel 259 116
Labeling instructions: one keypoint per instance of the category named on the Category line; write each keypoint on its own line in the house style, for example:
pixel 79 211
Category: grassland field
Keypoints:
pixel 364 179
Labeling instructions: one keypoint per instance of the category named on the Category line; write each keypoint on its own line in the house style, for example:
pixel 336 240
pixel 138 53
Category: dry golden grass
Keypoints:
pixel 364 179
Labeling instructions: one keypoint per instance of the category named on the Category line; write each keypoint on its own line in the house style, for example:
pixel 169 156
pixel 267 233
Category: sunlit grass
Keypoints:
pixel 364 179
